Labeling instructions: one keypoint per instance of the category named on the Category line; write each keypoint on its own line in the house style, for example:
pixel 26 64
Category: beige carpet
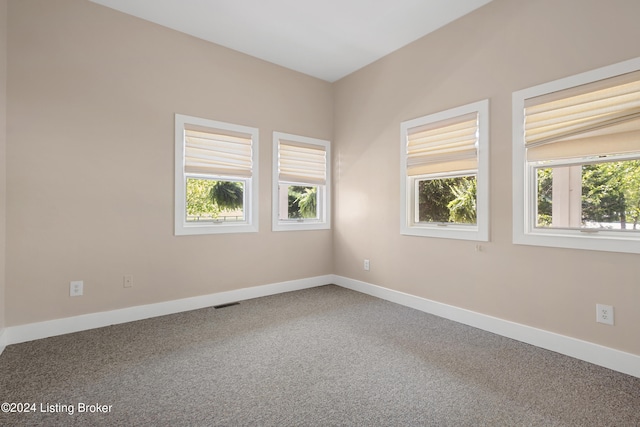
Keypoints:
pixel 325 356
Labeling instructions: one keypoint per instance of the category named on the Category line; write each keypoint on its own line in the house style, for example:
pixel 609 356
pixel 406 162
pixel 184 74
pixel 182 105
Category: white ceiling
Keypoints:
pixel 327 39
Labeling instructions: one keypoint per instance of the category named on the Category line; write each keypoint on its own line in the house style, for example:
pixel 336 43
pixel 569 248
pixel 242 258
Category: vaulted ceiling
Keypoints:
pixel 327 39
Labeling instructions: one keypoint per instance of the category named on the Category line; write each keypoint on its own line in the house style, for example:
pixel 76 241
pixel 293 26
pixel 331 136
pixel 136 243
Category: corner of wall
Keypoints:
pixel 3 164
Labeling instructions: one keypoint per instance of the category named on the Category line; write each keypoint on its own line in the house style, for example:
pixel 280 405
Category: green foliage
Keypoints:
pixel 448 200
pixel 434 198
pixel 227 195
pixel 308 202
pixel 207 198
pixel 610 193
pixel 632 192
pixel 302 202
pixel 199 203
pixel 545 192
pixel 462 209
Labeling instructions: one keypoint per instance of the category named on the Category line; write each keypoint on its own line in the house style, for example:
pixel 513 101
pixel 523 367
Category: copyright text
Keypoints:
pixel 55 408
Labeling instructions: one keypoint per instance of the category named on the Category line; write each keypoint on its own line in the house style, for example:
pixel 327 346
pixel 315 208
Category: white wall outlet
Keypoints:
pixel 76 288
pixel 127 281
pixel 366 265
pixel 604 314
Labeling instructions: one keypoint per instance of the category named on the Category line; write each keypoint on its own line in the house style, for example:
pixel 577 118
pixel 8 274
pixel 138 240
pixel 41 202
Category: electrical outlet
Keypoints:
pixel 366 265
pixel 127 281
pixel 76 288
pixel 604 314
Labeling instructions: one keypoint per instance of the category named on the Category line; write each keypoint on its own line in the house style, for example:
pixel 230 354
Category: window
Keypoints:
pixel 216 177
pixel 444 174
pixel 301 183
pixel 576 161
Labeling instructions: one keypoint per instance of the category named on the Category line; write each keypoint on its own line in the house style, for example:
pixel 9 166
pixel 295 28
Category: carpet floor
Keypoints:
pixel 324 356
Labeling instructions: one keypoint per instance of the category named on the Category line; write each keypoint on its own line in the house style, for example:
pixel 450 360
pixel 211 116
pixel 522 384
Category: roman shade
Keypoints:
pixel 596 119
pixel 302 163
pixel 445 146
pixel 217 152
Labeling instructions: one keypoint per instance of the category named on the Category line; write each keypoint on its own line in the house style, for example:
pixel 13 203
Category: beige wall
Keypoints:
pixel 3 156
pixel 91 102
pixel 91 98
pixel 500 48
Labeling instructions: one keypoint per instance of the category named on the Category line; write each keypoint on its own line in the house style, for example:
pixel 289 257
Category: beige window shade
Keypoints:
pixel 582 121
pixel 214 152
pixel 589 146
pixel 302 163
pixel 444 146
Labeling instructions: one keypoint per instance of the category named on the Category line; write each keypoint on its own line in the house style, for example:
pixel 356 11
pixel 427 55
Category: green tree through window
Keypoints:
pixel 302 202
pixel 610 194
pixel 207 199
pixel 448 200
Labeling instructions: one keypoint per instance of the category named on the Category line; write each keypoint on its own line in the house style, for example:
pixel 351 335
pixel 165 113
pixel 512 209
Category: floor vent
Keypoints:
pixel 225 305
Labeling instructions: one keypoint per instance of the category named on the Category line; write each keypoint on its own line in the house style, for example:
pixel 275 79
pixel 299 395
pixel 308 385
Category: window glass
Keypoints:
pixel 608 196
pixel 302 201
pixel 447 200
pixel 214 200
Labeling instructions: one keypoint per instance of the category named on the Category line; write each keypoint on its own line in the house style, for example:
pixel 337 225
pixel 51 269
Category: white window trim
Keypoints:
pixel 323 195
pixel 182 227
pixel 477 232
pixel 524 231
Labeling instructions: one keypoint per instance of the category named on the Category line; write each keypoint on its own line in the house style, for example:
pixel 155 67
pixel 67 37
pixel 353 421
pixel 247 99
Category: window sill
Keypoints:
pixel 300 225
pixel 576 239
pixel 446 231
pixel 214 228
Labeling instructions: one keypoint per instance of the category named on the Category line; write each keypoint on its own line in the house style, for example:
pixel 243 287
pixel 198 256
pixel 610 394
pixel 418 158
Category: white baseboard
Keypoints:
pixel 593 353
pixel 50 328
pixel 617 360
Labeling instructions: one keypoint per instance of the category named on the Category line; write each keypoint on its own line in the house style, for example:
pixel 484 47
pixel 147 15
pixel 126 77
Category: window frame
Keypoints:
pixel 408 197
pixel 323 194
pixel 524 194
pixel 250 192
